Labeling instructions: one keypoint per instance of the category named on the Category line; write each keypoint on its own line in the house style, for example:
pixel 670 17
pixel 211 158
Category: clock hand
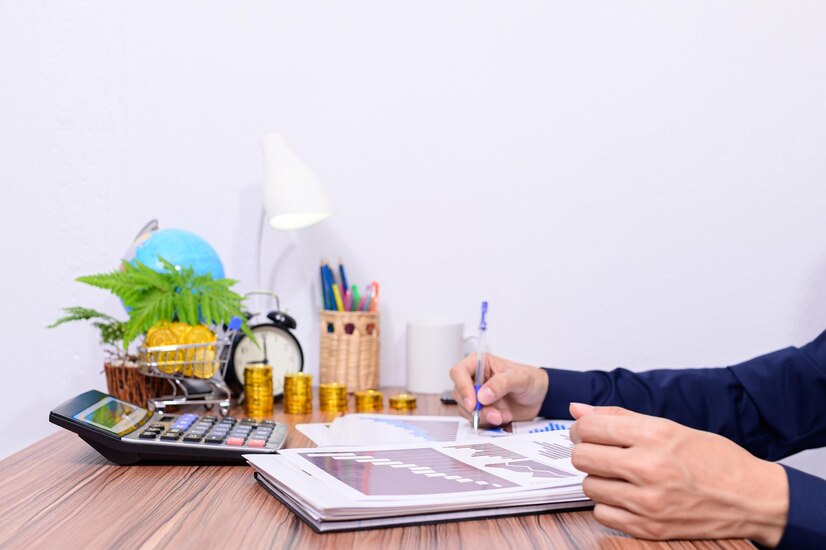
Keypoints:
pixel 265 351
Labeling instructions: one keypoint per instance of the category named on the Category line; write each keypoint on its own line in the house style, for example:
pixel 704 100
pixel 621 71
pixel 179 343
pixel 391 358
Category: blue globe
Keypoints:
pixel 181 248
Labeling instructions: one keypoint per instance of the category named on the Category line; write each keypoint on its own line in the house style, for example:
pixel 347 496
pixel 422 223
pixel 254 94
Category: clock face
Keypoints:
pixel 277 347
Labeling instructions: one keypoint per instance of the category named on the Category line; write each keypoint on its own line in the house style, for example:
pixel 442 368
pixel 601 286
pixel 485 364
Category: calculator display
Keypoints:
pixel 113 415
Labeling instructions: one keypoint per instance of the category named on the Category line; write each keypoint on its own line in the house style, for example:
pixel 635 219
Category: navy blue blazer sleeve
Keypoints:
pixel 773 405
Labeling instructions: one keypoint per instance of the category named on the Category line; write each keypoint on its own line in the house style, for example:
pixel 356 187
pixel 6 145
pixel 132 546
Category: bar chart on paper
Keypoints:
pixel 541 426
pixel 405 471
pixel 428 430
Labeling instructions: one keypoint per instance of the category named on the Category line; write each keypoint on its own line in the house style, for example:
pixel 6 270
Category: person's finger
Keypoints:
pixel 462 375
pixel 578 410
pixel 603 461
pixel 614 492
pixel 621 519
pixel 620 431
pixel 496 416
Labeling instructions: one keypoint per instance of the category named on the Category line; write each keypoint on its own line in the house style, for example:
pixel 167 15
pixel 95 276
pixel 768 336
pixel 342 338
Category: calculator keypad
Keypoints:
pixel 210 430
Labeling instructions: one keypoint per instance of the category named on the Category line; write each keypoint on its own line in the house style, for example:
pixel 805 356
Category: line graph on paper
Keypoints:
pixel 489 450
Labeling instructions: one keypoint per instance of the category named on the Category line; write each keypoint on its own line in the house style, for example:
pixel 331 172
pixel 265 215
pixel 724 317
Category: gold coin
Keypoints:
pixel 403 402
pixel 332 397
pixel 369 401
pixel 258 398
pixel 163 335
pixel 298 393
pixel 200 359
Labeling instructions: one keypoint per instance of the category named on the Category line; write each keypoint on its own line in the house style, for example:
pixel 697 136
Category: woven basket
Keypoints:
pixel 128 384
pixel 350 349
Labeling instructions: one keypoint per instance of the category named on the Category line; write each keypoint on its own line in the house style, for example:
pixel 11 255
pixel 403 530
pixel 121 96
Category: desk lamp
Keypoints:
pixel 293 195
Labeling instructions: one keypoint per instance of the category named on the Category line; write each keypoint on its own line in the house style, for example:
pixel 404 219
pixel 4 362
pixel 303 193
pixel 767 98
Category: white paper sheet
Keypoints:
pixel 378 429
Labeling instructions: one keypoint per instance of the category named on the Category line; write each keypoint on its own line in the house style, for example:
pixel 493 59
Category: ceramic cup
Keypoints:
pixel 433 347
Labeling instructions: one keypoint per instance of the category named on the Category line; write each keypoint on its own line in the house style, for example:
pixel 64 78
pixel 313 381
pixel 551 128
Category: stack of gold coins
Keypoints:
pixel 403 402
pixel 332 397
pixel 298 393
pixel 369 401
pixel 258 390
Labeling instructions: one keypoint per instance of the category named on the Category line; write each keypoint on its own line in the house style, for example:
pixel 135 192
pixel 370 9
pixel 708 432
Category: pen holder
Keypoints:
pixel 350 349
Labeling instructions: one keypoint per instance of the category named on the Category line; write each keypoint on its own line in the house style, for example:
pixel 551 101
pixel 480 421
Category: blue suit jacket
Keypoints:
pixel 773 405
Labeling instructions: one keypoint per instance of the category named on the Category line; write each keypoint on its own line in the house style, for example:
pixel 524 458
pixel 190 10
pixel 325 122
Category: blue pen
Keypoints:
pixel 480 364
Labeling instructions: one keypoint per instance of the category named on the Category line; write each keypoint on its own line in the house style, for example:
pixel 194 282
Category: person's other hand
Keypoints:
pixel 511 391
pixel 656 479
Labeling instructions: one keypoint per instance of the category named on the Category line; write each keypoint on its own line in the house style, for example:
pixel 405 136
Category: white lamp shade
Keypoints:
pixel 293 194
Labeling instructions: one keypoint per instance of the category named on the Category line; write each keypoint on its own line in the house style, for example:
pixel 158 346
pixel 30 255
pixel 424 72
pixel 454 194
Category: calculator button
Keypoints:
pixel 235 441
pixel 267 423
pixel 215 439
pixel 157 425
pixel 210 418
pixel 148 435
pixel 193 438
pixel 169 436
pixel 256 443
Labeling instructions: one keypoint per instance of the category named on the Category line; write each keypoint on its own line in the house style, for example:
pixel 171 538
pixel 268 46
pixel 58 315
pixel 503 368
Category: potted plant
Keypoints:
pixel 174 306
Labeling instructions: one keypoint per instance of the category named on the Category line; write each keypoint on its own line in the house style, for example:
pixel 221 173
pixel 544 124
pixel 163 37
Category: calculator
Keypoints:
pixel 127 434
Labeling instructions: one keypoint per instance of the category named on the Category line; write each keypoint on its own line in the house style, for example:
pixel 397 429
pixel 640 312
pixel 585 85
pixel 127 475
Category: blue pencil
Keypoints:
pixel 324 295
pixel 344 284
pixel 330 282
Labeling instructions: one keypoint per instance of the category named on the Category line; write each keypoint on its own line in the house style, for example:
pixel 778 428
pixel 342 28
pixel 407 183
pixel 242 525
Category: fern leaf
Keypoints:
pixel 80 314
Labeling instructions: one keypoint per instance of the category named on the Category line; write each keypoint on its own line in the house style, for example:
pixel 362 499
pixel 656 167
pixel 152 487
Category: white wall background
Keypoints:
pixel 628 183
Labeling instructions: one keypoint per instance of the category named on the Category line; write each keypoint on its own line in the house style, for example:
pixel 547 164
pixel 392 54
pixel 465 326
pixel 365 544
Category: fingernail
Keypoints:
pixel 469 404
pixel 486 396
pixel 494 417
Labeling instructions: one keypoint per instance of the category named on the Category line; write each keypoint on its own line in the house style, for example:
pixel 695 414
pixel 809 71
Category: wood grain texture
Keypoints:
pixel 60 493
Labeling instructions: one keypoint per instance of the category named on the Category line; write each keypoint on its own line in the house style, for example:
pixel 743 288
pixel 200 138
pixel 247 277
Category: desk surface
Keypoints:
pixel 60 492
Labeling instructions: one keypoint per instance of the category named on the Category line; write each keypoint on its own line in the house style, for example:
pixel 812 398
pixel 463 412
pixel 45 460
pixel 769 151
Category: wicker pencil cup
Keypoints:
pixel 350 349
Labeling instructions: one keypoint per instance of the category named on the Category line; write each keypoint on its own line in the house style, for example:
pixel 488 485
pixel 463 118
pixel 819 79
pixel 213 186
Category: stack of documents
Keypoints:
pixel 343 488
pixel 384 429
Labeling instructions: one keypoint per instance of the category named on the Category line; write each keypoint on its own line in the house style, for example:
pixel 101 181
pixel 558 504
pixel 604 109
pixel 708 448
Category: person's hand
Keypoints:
pixel 656 479
pixel 511 391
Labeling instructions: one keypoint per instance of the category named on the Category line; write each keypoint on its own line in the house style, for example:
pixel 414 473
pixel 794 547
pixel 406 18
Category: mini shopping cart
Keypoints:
pixel 195 371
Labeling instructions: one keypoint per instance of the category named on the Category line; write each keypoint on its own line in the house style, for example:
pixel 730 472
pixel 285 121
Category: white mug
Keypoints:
pixel 433 347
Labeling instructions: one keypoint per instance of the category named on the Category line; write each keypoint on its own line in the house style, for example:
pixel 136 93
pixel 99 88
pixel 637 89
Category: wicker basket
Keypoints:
pixel 128 384
pixel 350 349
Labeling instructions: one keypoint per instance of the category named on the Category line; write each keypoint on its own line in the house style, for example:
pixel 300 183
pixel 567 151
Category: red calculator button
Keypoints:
pixel 236 441
pixel 256 443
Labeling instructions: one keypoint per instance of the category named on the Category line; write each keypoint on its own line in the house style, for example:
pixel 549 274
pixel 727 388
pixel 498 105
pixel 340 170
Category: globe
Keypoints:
pixel 181 248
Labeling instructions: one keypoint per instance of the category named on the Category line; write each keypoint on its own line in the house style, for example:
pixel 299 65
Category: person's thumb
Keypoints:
pixel 578 410
pixel 497 387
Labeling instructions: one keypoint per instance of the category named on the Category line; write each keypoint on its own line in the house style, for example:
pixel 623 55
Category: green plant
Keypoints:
pixel 111 329
pixel 151 297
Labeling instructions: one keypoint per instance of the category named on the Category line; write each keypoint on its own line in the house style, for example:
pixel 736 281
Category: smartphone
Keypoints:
pixel 447 397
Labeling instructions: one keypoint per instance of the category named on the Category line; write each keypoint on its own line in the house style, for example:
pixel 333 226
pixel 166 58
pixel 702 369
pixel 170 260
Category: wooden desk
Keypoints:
pixel 60 493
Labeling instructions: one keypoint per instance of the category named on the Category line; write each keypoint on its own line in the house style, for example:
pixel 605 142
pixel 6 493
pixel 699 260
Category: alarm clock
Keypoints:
pixel 277 347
